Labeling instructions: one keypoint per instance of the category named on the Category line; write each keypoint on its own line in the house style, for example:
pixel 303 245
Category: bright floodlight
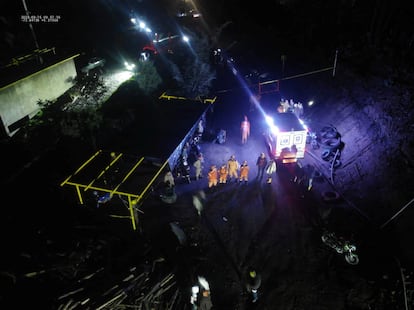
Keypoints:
pixel 142 25
pixel 310 103
pixel 129 66
pixel 133 20
pixel 268 120
pixel 303 124
pixel 186 39
pixel 272 126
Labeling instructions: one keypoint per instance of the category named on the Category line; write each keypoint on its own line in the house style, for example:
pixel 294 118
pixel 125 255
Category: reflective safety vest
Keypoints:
pixel 244 171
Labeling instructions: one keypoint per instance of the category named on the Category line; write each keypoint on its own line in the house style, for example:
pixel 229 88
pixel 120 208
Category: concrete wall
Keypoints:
pixel 19 99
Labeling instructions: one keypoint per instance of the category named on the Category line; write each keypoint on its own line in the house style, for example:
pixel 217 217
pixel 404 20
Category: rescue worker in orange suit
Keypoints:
pixel 212 176
pixel 245 129
pixel 223 173
pixel 244 172
pixel 233 167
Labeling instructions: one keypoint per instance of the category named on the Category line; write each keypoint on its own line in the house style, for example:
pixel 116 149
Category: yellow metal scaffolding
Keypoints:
pixel 104 164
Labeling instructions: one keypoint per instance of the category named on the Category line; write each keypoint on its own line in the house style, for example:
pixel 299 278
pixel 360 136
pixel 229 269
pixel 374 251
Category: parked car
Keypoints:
pixel 93 63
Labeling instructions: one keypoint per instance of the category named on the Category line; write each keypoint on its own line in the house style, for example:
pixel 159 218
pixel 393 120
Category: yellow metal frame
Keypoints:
pixel 133 198
pixel 198 98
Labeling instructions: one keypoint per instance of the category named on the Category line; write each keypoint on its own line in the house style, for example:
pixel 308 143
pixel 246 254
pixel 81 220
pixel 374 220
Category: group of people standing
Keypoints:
pixel 232 170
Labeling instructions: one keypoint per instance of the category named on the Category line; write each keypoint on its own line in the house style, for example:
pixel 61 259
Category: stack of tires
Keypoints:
pixel 331 143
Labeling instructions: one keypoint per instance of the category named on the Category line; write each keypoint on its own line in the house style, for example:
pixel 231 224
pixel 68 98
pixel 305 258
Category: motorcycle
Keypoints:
pixel 341 246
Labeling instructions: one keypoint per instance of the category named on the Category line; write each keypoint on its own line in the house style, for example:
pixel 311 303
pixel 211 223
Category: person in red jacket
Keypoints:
pixel 261 164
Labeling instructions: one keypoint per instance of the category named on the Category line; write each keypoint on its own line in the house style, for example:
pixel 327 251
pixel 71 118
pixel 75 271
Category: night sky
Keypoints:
pixel 92 24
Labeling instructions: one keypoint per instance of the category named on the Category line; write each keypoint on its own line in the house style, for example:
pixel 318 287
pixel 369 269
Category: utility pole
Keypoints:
pixel 32 30
pixel 335 61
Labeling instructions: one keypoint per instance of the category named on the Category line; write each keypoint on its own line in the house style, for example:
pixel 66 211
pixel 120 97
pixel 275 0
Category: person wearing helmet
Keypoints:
pixel 232 168
pixel 223 172
pixel 253 282
pixel 244 172
pixel 212 176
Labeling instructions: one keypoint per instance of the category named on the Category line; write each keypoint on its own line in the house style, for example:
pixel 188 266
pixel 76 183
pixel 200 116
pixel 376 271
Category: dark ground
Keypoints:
pixel 269 226
pixel 54 246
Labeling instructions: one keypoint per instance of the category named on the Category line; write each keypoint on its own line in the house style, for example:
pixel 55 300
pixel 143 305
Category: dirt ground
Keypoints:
pixel 68 255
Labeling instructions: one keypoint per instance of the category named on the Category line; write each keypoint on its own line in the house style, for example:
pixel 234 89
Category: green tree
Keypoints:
pixel 189 67
pixel 198 79
pixel 82 122
pixel 148 78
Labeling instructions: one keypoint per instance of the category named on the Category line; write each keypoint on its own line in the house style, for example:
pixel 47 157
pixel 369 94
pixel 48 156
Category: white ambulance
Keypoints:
pixel 285 137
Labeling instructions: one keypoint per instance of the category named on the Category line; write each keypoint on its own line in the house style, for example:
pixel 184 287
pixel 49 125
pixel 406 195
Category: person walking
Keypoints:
pixel 245 129
pixel 198 165
pixel 253 283
pixel 212 177
pixel 223 173
pixel 261 164
pixel 244 172
pixel 270 169
pixel 233 167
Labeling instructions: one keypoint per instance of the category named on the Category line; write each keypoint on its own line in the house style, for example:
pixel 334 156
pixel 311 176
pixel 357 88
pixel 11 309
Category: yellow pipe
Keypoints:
pixel 152 181
pixel 131 211
pixel 79 195
pixel 103 171
pixel 211 101
pixel 128 174
pixel 81 167
pixel 102 189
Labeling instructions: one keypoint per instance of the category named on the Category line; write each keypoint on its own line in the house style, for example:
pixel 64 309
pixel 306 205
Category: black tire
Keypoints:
pixel 326 155
pixel 352 259
pixel 329 132
pixel 337 163
pixel 332 143
pixel 330 196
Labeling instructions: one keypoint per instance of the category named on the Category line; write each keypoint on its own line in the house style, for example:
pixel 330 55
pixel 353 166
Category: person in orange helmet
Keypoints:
pixel 245 129
pixel 212 176
pixel 244 172
pixel 233 167
pixel 223 172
